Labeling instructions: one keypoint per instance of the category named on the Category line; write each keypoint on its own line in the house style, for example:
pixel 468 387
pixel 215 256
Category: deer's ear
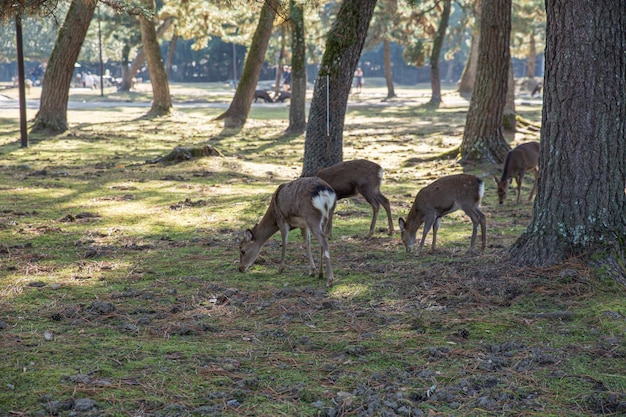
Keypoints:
pixel 248 234
pixel 401 223
pixel 496 178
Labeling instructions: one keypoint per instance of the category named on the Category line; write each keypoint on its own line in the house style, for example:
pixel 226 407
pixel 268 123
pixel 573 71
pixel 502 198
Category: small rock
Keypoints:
pixel 233 403
pixel 84 404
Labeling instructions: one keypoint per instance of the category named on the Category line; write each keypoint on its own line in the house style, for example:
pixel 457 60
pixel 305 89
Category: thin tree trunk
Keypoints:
pixel 323 145
pixel 52 115
pixel 171 50
pixel 281 58
pixel 140 58
pixel 237 113
pixel 391 93
pixel 580 208
pixel 161 98
pixel 483 137
pixel 509 121
pixel 435 78
pixel 532 57
pixel 297 114
pixel 468 78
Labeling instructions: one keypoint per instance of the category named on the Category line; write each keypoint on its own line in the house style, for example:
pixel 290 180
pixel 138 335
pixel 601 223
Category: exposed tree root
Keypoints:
pixel 180 154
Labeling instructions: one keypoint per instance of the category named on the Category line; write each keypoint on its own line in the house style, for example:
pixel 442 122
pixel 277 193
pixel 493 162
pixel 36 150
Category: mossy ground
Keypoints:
pixel 119 280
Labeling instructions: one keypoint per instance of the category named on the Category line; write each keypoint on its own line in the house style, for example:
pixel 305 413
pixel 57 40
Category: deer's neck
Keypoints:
pixel 266 227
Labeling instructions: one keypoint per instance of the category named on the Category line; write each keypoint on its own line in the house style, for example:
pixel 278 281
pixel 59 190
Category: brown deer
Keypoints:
pixel 360 176
pixel 441 197
pixel 518 161
pixel 306 203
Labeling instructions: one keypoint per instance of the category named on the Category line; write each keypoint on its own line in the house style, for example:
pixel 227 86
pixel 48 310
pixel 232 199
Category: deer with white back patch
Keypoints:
pixel 305 203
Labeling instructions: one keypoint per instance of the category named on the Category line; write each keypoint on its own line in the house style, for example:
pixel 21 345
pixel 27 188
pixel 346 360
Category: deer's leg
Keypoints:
pixel 325 255
pixel 520 180
pixel 284 233
pixel 371 198
pixel 429 222
pixel 483 228
pixel 436 226
pixel 385 203
pixel 478 218
pixel 536 175
pixel 306 236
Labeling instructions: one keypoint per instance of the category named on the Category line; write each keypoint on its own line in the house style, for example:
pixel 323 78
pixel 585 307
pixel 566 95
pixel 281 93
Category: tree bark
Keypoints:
pixel 237 113
pixel 580 208
pixel 468 78
pixel 483 137
pixel 435 78
pixel 161 98
pixel 297 113
pixel 323 145
pixel 391 93
pixel 52 115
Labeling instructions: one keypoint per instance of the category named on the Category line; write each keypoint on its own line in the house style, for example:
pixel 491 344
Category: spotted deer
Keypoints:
pixel 442 197
pixel 518 161
pixel 306 203
pixel 360 176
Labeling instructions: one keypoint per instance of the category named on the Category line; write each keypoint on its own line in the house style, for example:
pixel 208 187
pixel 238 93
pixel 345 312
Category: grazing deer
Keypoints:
pixel 306 203
pixel 358 177
pixel 518 161
pixel 263 95
pixel 441 197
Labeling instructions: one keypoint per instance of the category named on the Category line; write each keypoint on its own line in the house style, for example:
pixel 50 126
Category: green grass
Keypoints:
pixel 119 280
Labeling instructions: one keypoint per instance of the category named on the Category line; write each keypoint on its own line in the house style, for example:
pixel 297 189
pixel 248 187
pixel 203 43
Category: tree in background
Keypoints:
pixel 323 145
pixel 483 137
pixel 237 113
pixel 468 78
pixel 297 113
pixel 435 79
pixel 383 28
pixel 580 208
pixel 52 115
pixel 161 98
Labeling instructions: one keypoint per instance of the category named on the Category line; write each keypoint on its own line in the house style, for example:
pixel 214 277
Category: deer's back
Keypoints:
pixel 348 178
pixel 522 158
pixel 303 198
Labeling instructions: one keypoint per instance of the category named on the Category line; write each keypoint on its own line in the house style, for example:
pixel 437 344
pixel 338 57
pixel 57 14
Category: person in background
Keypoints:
pixel 286 78
pixel 358 79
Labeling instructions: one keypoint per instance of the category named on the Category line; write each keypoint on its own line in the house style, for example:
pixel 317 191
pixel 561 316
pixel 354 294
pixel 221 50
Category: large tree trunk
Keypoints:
pixel 580 207
pixel 483 137
pixel 468 78
pixel 237 113
pixel 323 145
pixel 391 93
pixel 435 78
pixel 297 113
pixel 52 115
